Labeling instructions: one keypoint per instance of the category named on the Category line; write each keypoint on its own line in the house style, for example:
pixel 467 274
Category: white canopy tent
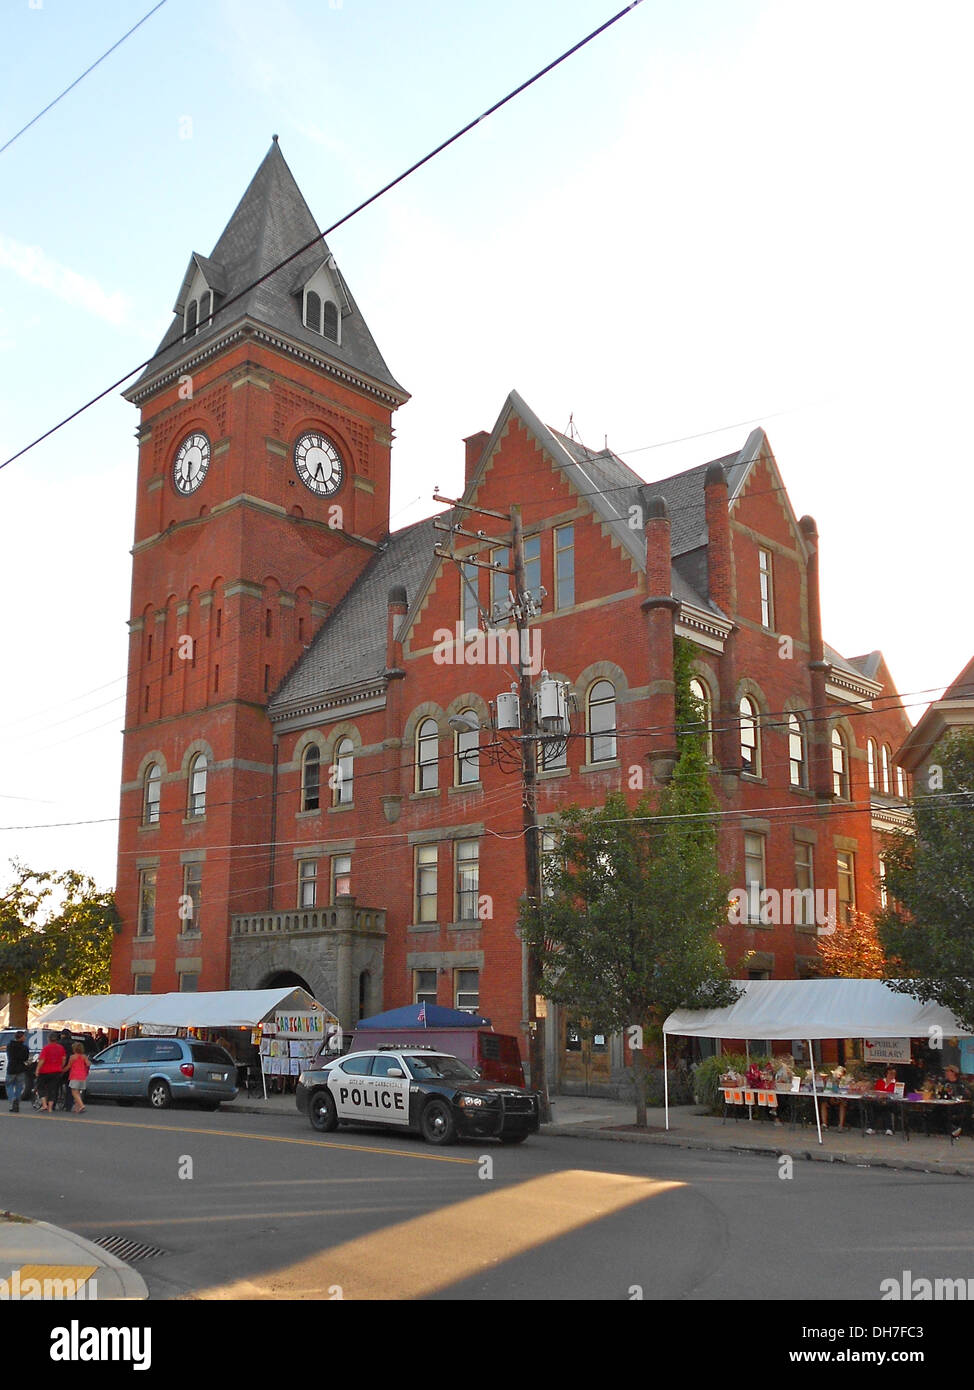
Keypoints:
pixel 220 1008
pixel 777 1009
pixel 86 1010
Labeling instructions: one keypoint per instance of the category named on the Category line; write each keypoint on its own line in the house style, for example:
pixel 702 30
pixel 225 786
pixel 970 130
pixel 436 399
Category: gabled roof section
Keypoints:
pixel 350 646
pixel 213 273
pixel 271 222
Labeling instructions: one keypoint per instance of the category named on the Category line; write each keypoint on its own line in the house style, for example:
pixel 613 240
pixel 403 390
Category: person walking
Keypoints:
pixel 78 1069
pixel 17 1058
pixel 50 1068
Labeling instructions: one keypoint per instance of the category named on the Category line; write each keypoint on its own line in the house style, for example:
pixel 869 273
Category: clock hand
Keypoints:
pixel 318 472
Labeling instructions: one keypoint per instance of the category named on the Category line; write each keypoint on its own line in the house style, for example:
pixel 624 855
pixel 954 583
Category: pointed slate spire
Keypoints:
pixel 271 222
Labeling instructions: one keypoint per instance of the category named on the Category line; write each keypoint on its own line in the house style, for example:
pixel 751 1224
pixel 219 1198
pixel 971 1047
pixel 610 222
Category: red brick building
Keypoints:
pixel 297 806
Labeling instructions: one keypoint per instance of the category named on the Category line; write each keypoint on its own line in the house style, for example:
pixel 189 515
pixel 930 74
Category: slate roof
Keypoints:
pixel 350 645
pixel 271 221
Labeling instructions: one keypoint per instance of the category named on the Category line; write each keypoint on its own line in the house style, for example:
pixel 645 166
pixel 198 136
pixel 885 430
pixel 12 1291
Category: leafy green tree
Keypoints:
pixel 56 933
pixel 633 900
pixel 928 924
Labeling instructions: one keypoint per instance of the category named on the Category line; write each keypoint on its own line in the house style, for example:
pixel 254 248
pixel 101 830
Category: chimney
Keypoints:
pixel 475 444
pixel 718 539
pixel 394 773
pixel 659 606
pixel 396 613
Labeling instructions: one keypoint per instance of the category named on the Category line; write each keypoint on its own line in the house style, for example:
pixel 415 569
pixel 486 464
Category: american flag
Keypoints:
pixel 422 1014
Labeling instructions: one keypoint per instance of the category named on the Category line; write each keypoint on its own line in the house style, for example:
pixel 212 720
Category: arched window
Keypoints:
pixel 468 750
pixel 192 309
pixel 840 766
pixel 602 722
pixel 797 767
pixel 871 761
pixel 329 325
pixel 152 794
pixel 886 763
pixel 197 786
pixel 750 738
pixel 427 749
pixel 342 773
pixel 312 311
pixel 701 693
pixel 311 778
pixel 901 789
pixel 206 307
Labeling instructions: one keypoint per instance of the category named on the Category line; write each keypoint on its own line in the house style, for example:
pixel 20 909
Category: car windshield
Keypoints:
pixel 439 1066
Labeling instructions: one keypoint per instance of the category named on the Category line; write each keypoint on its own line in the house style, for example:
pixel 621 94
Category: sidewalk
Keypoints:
pixel 43 1262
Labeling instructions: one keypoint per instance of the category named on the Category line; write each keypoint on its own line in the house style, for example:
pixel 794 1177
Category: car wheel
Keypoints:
pixel 513 1138
pixel 322 1113
pixel 160 1096
pixel 437 1123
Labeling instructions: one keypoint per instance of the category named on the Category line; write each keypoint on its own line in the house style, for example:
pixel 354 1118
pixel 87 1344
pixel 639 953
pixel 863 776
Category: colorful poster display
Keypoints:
pixel 304 1025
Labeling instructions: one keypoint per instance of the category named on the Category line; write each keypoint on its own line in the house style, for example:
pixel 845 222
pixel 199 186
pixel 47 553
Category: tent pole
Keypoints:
pixel 818 1118
pixel 666 1083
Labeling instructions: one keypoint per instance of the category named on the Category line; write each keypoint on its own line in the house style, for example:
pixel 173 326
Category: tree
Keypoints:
pixel 633 901
pixel 852 949
pixel 928 923
pixel 56 934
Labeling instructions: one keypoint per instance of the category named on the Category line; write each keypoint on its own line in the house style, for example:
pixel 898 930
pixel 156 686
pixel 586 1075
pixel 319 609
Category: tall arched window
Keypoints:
pixel 886 765
pixel 152 794
pixel 840 766
pixel 329 325
pixel 312 311
pixel 468 750
pixel 750 738
pixel 871 761
pixel 192 310
pixel 311 778
pixel 427 748
pixel 197 786
pixel 701 693
pixel 602 722
pixel 342 773
pixel 901 788
pixel 797 766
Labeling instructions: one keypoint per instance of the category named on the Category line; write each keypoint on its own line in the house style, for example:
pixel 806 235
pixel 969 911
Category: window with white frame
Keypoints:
pixel 469 598
pixel 871 762
pixel 342 773
pixel 883 891
pixel 307 882
pixel 902 790
pixel 845 869
pixel 700 691
pixel 602 722
pixel 886 761
pixel 427 753
pixel 197 786
pixel 501 584
pixel 312 311
pixel 311 778
pixel 152 794
pixel 840 766
pixel 424 986
pixel 468 751
pixel 426 884
pixel 797 765
pixel 466 990
pixel 767 588
pixel 804 915
pixel 467 860
pixel 750 739
pixel 341 876
pixel 753 874
pixel 532 564
pixel 564 566
pixel 147 902
pixel 192 897
pixel 552 860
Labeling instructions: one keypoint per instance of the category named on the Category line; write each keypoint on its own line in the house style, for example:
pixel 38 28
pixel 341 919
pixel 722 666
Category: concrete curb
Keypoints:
pixel 27 1242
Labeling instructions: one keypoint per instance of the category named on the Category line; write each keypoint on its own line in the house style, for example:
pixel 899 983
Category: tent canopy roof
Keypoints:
pixel 422 1016
pixel 807 1009
pixel 223 1008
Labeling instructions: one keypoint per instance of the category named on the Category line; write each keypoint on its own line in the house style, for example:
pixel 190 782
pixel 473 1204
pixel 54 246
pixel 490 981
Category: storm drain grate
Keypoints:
pixel 124 1249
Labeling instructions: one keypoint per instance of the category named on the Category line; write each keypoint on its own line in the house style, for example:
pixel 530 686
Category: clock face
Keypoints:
pixel 318 464
pixel 192 462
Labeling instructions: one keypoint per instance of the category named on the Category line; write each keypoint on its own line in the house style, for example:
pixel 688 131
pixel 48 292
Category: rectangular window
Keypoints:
pixel 147 902
pixel 341 875
pixel 767 588
pixel 803 914
pixel 424 986
pixel 501 584
pixel 307 882
pixel 467 860
pixel 883 890
pixel 532 564
pixel 754 875
pixel 425 879
pixel 466 987
pixel 551 859
pixel 845 869
pixel 469 601
pixel 554 753
pixel 192 897
pixel 189 983
pixel 564 566
pixel 142 984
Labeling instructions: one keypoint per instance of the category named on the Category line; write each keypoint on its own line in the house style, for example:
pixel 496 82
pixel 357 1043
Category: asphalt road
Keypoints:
pixel 252 1207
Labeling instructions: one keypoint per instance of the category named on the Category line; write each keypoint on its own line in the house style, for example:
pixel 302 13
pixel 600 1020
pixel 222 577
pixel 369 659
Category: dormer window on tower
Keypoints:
pixel 323 301
pixel 321 316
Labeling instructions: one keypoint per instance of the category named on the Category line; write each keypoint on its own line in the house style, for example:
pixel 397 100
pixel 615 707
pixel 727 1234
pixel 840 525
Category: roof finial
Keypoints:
pixel 274 138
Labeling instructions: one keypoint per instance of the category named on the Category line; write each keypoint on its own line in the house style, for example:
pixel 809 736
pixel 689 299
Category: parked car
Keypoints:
pixel 494 1056
pixel 421 1091
pixel 163 1070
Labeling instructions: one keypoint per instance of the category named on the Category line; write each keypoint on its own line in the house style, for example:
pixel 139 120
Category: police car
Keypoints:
pixel 417 1090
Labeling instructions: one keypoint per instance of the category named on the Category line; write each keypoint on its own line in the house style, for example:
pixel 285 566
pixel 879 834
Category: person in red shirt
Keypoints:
pixel 78 1069
pixel 887 1085
pixel 50 1065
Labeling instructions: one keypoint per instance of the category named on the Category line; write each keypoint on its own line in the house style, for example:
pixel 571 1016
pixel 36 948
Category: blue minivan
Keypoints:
pixel 161 1071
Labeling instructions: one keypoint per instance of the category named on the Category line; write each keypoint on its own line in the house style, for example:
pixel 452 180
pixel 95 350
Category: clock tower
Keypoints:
pixel 263 491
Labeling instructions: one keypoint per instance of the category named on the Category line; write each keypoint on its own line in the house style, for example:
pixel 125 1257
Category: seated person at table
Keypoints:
pixel 956 1088
pixel 885 1085
pixel 839 1077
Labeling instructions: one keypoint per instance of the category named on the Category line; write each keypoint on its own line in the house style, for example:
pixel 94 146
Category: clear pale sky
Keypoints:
pixel 717 215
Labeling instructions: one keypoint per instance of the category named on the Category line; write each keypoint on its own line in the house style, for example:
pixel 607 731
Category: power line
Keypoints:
pixel 367 202
pixel 90 68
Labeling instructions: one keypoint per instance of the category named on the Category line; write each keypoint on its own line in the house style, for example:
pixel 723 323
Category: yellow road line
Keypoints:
pixel 428 1253
pixel 282 1139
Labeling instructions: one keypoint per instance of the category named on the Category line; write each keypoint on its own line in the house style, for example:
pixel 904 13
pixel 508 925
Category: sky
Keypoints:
pixel 719 214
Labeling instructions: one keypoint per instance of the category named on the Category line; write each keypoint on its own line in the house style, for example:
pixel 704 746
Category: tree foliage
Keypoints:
pixel 852 950
pixel 929 921
pixel 633 900
pixel 56 934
